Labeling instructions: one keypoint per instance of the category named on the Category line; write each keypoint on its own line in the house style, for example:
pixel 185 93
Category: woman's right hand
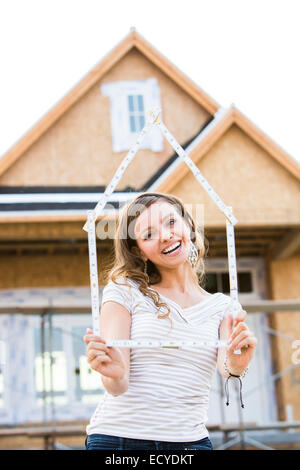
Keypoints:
pixel 105 359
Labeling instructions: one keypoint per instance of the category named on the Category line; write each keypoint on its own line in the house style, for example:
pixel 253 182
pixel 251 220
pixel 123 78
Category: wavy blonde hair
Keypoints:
pixel 128 264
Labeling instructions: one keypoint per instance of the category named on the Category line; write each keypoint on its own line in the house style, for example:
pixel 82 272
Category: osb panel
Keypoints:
pixel 77 149
pixel 285 278
pixel 43 231
pixel 26 442
pixel 258 188
pixel 57 270
pixel 38 443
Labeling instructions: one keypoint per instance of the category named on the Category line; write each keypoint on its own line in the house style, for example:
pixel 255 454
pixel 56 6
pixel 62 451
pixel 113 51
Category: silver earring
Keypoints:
pixel 193 254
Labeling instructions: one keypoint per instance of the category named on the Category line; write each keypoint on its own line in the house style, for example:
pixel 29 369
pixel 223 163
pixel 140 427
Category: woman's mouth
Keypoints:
pixel 173 250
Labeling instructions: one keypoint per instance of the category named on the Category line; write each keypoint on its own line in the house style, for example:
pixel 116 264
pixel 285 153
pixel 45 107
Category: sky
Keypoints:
pixel 244 52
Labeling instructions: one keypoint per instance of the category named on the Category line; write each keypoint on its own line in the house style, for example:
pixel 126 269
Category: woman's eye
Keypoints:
pixel 150 233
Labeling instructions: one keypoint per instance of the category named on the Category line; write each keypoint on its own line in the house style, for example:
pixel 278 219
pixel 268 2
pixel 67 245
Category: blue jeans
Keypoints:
pixel 106 442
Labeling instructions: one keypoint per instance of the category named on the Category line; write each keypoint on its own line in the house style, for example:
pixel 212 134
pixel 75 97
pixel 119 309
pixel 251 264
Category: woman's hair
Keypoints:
pixel 128 264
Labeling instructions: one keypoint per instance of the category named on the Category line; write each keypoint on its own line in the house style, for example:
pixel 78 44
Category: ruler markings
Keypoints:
pixel 92 216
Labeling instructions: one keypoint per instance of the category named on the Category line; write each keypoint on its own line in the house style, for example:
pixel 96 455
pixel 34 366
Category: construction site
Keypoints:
pixel 60 169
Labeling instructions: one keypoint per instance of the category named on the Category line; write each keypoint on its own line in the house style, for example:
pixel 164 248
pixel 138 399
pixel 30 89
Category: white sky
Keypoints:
pixel 244 52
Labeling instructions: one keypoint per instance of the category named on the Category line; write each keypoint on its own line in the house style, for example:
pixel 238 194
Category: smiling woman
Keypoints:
pixel 158 398
pixel 149 229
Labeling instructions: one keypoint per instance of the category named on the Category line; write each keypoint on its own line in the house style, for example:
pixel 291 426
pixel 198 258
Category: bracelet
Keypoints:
pixel 237 377
pixel 228 371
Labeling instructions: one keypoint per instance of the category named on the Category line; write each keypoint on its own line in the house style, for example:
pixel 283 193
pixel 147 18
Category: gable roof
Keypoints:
pixel 166 180
pixel 222 121
pixel 131 41
pixel 40 202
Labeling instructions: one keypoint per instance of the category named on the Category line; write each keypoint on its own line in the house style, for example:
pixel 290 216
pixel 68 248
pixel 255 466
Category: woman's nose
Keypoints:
pixel 166 234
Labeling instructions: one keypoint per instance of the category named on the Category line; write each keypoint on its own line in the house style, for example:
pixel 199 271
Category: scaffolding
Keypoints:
pixel 240 435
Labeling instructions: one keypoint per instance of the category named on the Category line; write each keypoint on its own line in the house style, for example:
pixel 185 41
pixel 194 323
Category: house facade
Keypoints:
pixel 59 170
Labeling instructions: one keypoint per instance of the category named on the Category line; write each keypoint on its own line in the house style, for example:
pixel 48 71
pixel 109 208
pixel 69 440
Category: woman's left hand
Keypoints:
pixel 241 338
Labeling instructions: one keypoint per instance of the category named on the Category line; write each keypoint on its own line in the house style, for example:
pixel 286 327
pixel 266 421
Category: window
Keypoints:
pixel 73 377
pixel 28 390
pixel 219 282
pixel 129 103
pixel 211 282
pixel 136 112
pixel 88 384
pixel 42 367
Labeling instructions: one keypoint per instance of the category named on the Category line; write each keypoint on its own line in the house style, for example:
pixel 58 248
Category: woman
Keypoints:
pixel 158 398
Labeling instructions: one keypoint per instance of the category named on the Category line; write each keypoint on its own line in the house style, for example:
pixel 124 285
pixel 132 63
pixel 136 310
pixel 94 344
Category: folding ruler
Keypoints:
pixel 155 120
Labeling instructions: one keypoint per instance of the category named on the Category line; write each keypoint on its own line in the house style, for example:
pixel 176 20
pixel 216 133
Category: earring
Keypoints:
pixel 193 254
pixel 145 271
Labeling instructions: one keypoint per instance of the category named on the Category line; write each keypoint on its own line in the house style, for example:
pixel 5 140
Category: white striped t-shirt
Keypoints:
pixel 168 394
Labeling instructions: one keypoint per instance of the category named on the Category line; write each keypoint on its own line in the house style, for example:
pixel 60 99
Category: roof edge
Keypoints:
pixel 133 39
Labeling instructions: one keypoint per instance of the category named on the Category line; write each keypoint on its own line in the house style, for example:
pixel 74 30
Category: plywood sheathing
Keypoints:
pixel 244 175
pixel 285 280
pixel 38 443
pixel 232 117
pixel 77 149
pixel 42 231
pixel 63 270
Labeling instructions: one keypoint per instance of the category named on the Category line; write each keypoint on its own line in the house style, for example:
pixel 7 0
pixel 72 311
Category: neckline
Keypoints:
pixel 192 306
pixel 176 304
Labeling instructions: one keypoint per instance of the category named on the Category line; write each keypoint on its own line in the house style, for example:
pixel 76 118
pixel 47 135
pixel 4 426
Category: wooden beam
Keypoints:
pixel 20 218
pixel 219 253
pixel 244 242
pixel 52 246
pixel 287 246
pixel 59 306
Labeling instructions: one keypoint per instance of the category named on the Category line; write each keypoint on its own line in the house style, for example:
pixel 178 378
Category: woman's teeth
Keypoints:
pixel 175 247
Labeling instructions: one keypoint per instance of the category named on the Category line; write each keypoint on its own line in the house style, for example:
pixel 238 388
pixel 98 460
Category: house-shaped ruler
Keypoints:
pixel 154 119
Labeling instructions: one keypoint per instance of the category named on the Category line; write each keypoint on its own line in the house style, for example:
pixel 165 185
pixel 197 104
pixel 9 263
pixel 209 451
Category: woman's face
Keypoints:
pixel 159 228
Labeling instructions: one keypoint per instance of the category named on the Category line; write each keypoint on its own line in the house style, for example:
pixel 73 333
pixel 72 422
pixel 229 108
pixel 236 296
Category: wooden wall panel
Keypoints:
pixel 285 278
pixel 57 270
pixel 43 231
pixel 260 191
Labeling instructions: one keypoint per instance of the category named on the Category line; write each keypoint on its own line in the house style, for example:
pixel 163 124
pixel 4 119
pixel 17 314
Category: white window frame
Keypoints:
pixel 122 137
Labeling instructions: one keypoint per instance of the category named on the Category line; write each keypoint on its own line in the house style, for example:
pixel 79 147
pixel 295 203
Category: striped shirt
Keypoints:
pixel 168 394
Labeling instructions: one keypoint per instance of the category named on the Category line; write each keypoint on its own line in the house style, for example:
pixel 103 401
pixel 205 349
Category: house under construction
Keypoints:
pixel 59 170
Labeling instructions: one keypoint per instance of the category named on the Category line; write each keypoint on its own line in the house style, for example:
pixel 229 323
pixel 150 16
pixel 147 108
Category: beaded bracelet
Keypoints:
pixel 236 377
pixel 228 371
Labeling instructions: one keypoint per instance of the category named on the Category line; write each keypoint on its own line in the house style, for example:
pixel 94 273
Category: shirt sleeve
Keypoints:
pixel 118 292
